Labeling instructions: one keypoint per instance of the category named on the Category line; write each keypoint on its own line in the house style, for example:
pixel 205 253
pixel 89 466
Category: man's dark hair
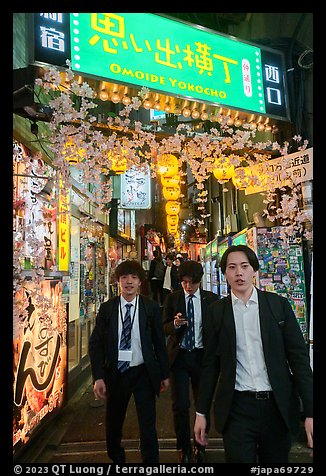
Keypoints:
pixel 170 256
pixel 191 269
pixel 130 267
pixel 251 255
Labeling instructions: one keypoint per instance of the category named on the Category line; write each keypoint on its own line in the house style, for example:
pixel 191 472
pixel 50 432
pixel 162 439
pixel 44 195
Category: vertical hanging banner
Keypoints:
pixel 39 357
pixel 63 228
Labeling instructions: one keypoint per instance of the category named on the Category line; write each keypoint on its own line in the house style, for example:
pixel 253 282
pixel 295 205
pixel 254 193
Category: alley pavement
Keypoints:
pixel 77 435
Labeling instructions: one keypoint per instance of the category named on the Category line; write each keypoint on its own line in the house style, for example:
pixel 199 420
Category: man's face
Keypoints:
pixel 169 261
pixel 129 286
pixel 188 285
pixel 239 272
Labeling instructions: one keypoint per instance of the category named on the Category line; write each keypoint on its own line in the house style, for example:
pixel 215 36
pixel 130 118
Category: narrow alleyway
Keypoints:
pixel 78 436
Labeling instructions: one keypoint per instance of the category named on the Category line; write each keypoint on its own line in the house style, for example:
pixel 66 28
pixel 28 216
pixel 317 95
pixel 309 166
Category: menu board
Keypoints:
pixel 282 270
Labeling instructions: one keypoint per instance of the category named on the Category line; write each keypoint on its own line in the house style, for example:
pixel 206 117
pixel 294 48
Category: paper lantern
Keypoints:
pixel 118 163
pixel 167 165
pixel 171 193
pixel 72 153
pixel 172 219
pixel 172 207
pixel 223 170
pixel 173 229
pixel 170 181
pixel 241 178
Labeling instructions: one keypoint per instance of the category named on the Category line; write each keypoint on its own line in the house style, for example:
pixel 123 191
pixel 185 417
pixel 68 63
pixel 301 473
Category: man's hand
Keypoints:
pixel 308 425
pixel 164 385
pixel 200 430
pixel 99 389
pixel 179 320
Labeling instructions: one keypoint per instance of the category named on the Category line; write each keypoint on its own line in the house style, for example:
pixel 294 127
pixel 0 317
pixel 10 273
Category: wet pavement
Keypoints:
pixel 78 435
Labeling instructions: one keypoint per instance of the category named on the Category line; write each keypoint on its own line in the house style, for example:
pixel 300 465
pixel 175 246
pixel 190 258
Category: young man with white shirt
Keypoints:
pixel 183 312
pixel 257 359
pixel 128 357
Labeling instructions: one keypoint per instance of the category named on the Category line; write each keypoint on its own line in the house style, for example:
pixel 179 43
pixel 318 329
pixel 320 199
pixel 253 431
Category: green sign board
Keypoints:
pixel 150 50
pixel 214 247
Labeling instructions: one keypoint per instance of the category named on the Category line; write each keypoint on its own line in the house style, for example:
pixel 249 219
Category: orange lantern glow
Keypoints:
pixel 223 170
pixel 72 153
pixel 240 178
pixel 170 181
pixel 172 207
pixel 173 229
pixel 172 219
pixel 119 163
pixel 171 193
pixel 167 165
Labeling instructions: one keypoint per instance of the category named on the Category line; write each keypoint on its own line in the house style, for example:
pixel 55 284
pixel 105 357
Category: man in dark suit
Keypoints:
pixel 256 357
pixel 128 356
pixel 183 312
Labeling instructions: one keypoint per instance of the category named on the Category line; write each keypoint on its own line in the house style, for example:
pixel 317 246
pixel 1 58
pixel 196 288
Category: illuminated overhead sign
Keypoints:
pixel 172 57
pixel 51 38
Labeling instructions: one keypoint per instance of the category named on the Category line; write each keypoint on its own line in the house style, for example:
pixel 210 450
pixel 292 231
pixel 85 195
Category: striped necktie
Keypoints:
pixel 125 340
pixel 189 336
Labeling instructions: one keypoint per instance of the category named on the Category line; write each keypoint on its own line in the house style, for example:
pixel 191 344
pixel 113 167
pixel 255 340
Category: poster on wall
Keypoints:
pixel 40 358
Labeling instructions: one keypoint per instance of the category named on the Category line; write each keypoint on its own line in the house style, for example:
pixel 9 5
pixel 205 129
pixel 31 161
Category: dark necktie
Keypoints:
pixel 125 340
pixel 189 336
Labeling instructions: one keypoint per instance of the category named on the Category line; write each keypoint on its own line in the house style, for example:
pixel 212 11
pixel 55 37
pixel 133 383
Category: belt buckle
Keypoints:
pixel 262 395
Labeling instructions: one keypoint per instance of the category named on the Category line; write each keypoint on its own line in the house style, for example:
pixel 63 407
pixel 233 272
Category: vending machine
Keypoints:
pixel 214 268
pixel 208 266
pixel 223 285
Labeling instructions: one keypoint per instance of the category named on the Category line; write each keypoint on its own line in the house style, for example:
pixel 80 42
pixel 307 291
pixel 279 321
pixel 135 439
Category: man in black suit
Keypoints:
pixel 128 356
pixel 183 312
pixel 256 356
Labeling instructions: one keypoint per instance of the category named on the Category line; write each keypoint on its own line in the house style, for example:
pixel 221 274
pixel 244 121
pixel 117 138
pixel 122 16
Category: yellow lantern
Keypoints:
pixel 172 207
pixel 172 219
pixel 72 154
pixel 223 170
pixel 170 181
pixel 167 165
pixel 119 163
pixel 171 193
pixel 173 229
pixel 240 178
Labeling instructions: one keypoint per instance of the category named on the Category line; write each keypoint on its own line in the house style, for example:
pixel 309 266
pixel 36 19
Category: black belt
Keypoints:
pixel 196 349
pixel 257 395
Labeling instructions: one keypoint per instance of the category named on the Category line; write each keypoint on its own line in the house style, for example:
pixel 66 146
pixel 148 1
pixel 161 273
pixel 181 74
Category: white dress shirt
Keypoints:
pixel 167 278
pixel 137 355
pixel 251 372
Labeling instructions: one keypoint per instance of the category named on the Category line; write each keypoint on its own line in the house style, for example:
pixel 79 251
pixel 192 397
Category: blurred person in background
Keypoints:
pixel 170 277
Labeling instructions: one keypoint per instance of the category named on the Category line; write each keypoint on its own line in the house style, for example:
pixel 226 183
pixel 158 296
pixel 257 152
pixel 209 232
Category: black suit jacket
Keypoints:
pixel 286 356
pixel 174 303
pixel 103 343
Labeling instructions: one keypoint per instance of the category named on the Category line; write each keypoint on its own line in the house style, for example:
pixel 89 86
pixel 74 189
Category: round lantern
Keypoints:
pixel 172 219
pixel 240 178
pixel 173 229
pixel 167 165
pixel 171 193
pixel 172 207
pixel 119 163
pixel 170 181
pixel 223 170
pixel 72 153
